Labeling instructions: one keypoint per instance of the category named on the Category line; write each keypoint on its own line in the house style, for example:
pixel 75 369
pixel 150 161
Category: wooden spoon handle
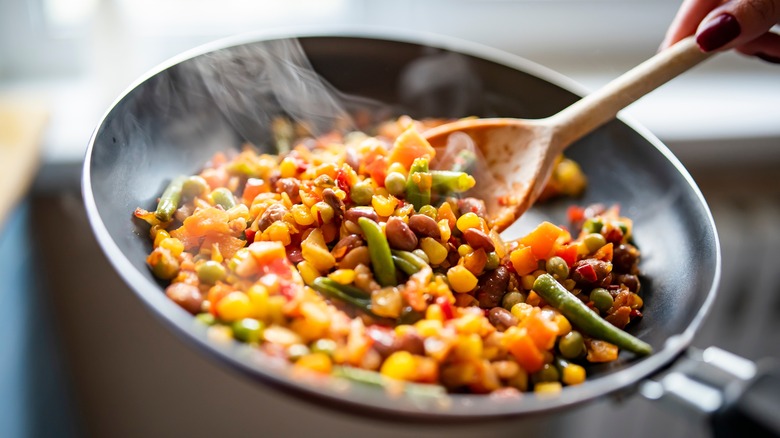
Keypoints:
pixel 599 107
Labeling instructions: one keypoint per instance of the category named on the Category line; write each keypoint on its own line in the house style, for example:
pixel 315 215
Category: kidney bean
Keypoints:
pixel 289 186
pixel 345 245
pixel 185 295
pixel 625 258
pixel 493 286
pixel 411 342
pixel 273 213
pixel 589 271
pixel 631 281
pixel 477 239
pixel 357 256
pixel 501 318
pixel 399 235
pixel 354 213
pixel 424 226
pixel 330 198
pixel 472 205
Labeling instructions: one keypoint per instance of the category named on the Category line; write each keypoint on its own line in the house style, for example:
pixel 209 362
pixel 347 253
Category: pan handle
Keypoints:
pixel 736 396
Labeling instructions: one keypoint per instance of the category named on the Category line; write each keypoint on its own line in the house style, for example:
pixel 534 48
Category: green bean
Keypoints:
pixel 447 181
pixel 169 201
pixel 352 291
pixel 410 258
pixel 379 252
pixel 364 376
pixel 418 184
pixel 408 268
pixel 584 318
pixel 322 286
pixel 222 196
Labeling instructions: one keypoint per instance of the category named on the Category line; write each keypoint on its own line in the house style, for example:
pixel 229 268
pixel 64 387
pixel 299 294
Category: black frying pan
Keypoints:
pixel 171 122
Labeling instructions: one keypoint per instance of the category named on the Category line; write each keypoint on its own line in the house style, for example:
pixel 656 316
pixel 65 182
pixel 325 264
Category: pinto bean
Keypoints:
pixel 330 198
pixel 472 205
pixel 477 239
pixel 289 186
pixel 424 226
pixel 273 213
pixel 590 272
pixel 501 318
pixel 355 213
pixel 345 245
pixel 625 258
pixel 399 235
pixel 357 256
pixel 493 286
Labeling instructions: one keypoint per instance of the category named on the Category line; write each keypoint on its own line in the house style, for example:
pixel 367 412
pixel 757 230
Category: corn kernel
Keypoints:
pixel 444 230
pixel 317 362
pixel 427 328
pixel 384 205
pixel 308 272
pixel 435 251
pixel 399 365
pixel 564 326
pixel 434 312
pixel 160 236
pixel 342 276
pixel 288 168
pixel 548 388
pixel 468 220
pixel 276 305
pixel 573 374
pixel 397 167
pixel 461 279
pixel 174 245
pixel 465 250
pixel 234 306
pixel 279 232
pixel 469 323
pixel 302 215
pixel 469 347
pixel 258 299
pixel 522 310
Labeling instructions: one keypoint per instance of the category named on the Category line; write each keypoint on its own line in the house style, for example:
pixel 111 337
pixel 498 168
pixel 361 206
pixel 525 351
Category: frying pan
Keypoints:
pixel 172 121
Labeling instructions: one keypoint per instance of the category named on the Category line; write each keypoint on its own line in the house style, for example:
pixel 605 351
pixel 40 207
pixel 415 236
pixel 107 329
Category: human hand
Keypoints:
pixel 744 25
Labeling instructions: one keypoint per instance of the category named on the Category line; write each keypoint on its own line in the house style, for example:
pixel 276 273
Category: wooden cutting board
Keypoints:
pixel 22 122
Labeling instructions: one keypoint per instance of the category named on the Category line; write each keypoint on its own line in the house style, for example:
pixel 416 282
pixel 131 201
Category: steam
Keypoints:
pixel 254 84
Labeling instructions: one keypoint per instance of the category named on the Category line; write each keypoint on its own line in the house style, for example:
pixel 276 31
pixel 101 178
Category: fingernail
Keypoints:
pixel 718 32
pixel 768 58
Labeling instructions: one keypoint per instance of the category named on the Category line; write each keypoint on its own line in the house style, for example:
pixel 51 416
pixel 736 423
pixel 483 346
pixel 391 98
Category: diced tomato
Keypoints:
pixel 575 214
pixel 253 187
pixel 377 169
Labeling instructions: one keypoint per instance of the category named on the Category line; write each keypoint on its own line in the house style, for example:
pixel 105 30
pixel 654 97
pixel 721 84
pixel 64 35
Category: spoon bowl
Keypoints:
pixel 519 154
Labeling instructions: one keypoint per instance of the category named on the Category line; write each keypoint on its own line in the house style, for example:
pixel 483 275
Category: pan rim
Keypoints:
pixel 374 401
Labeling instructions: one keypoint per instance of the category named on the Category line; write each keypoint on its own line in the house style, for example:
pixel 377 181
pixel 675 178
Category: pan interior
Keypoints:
pixel 169 125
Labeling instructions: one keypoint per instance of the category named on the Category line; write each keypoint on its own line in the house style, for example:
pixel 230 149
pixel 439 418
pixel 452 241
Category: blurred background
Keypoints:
pixel 79 355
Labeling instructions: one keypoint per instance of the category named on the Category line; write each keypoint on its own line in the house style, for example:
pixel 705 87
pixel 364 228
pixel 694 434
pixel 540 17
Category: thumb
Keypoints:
pixel 737 22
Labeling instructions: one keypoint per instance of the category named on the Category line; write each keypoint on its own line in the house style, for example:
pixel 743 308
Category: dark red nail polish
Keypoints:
pixel 768 58
pixel 718 32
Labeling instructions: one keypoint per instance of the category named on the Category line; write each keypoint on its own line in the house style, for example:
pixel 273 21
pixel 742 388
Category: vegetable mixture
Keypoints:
pixel 350 255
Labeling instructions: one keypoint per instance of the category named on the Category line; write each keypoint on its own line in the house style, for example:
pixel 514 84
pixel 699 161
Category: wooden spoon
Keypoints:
pixel 520 154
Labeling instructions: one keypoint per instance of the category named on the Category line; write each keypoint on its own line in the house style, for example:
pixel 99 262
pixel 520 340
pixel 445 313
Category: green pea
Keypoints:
pixel 429 210
pixel 548 373
pixel 572 345
pixel 325 210
pixel 222 196
pixel 601 298
pixel 327 346
pixel 362 193
pixel 557 267
pixel 297 351
pixel 248 330
pixel 194 186
pixel 592 225
pixel 594 241
pixel 206 318
pixel 512 298
pixel 395 183
pixel 324 181
pixel 210 272
pixel 492 261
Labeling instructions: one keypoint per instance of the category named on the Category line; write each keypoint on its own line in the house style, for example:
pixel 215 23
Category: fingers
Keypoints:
pixel 736 23
pixel 766 47
pixel 687 20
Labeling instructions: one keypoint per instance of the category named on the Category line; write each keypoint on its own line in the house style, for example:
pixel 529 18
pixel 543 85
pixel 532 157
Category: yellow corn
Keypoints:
pixel 573 374
pixel 461 279
pixel 522 310
pixel 384 205
pixel 468 220
pixel 234 306
pixel 434 312
pixel 548 387
pixel 444 229
pixel 160 236
pixel 258 299
pixel 468 347
pixel 435 251
pixel 399 365
pixel 342 276
pixel 308 272
pixel 318 362
pixel 469 323
pixel 276 305
pixel 397 167
pixel 172 244
pixel 427 328
pixel 288 168
pixel 280 232
pixel 465 250
pixel 302 215
pixel 564 326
